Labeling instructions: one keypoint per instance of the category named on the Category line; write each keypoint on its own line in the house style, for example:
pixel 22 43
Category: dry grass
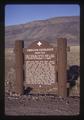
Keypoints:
pixel 73 58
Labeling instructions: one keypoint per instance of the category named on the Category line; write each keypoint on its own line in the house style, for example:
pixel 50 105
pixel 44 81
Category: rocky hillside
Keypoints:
pixel 48 30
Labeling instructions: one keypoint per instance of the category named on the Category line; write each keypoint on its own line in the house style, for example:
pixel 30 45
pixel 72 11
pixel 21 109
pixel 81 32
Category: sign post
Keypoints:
pixel 62 67
pixel 19 66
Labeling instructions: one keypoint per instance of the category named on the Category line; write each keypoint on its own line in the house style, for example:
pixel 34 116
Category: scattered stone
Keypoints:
pixel 27 104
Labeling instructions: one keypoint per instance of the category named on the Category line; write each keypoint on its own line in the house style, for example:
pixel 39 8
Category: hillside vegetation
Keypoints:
pixel 49 30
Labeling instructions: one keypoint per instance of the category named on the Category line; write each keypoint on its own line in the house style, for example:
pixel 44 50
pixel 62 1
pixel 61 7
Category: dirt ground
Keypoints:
pixel 27 105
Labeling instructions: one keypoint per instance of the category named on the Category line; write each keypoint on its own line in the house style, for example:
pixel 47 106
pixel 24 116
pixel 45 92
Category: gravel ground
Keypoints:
pixel 41 105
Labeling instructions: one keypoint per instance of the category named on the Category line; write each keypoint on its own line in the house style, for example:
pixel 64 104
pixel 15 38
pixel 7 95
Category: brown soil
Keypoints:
pixel 41 105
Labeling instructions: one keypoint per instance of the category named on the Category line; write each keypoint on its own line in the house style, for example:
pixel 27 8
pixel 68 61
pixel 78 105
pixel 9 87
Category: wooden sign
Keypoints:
pixel 43 65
